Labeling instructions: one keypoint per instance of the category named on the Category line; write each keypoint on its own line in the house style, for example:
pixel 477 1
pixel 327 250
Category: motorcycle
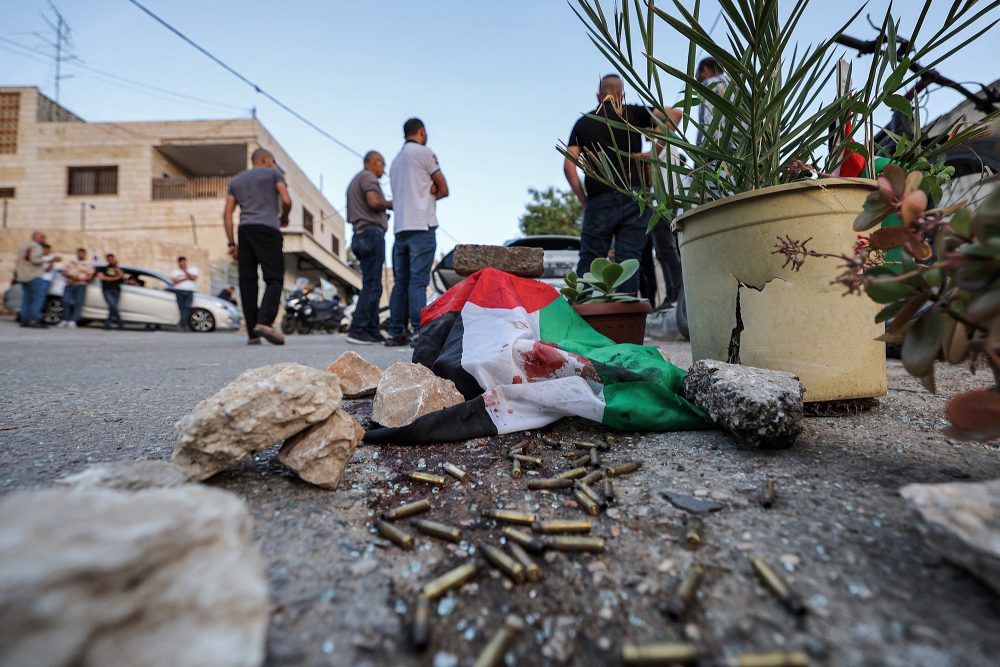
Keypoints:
pixel 305 313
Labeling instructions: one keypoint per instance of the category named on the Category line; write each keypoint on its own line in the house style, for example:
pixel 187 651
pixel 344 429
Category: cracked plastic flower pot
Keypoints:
pixel 743 307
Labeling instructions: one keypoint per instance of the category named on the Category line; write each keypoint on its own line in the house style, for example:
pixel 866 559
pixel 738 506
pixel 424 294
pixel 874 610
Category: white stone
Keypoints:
pixel 127 476
pixel 320 453
pixel 408 391
pixel 358 377
pixel 157 578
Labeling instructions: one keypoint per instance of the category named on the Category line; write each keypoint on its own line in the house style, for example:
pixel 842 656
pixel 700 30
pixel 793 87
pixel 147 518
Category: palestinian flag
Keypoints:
pixel 523 358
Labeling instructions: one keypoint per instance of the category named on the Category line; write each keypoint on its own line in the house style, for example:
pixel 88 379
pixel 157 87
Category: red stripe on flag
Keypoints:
pixel 490 288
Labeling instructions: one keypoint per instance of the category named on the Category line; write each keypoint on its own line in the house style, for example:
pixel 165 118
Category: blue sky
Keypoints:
pixel 498 83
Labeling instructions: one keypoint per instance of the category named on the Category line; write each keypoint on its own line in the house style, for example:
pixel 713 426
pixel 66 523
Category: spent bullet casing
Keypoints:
pixel 595 457
pixel 575 543
pixel 563 526
pixel 501 561
pixel 516 470
pixel 686 591
pixel 660 653
pixel 767 493
pixel 533 460
pixel 581 461
pixel 550 441
pixel 591 493
pixel 588 505
pixel 591 477
pixel 765 659
pixel 521 538
pixel 436 529
pixel 693 532
pixel 449 580
pixel 550 483
pixel 775 583
pixel 623 469
pixel 575 473
pixel 390 532
pixel 531 569
pixel 589 445
pixel 456 472
pixel 421 631
pixel 493 653
pixel 511 516
pixel 430 478
pixel 609 490
pixel 409 509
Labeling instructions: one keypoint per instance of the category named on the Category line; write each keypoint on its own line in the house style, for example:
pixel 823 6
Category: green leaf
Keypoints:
pixel 961 222
pixel 922 344
pixel 611 274
pixel 887 292
pixel 888 312
pixel 629 267
pixel 900 104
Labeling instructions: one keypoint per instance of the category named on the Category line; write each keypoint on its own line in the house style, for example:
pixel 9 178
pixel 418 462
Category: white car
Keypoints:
pixel 147 298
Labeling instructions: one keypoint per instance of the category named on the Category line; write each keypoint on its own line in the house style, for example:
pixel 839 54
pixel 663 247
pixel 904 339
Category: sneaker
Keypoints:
pixel 71 325
pixel 397 341
pixel 254 341
pixel 63 324
pixel 364 339
pixel 269 334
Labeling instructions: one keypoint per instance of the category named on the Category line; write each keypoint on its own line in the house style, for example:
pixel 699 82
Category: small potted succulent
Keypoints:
pixel 617 315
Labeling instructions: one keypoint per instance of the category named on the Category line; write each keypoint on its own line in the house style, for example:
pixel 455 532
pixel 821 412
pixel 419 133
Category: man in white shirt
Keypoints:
pixel 185 280
pixel 417 184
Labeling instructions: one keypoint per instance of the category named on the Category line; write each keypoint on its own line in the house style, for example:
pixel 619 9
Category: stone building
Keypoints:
pixel 149 191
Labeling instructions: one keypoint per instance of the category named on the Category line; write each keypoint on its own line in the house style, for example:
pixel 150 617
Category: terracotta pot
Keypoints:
pixel 621 322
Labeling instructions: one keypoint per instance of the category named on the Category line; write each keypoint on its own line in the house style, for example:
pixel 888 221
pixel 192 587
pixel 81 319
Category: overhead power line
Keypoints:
pixel 245 80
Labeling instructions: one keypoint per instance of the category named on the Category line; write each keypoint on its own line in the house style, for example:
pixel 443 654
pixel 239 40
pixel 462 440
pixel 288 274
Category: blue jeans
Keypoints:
pixel 613 214
pixel 368 246
pixel 184 300
pixel 73 299
pixel 32 300
pixel 412 257
pixel 112 297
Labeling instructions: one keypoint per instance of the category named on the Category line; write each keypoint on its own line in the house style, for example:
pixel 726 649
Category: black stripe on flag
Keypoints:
pixel 459 422
pixel 439 348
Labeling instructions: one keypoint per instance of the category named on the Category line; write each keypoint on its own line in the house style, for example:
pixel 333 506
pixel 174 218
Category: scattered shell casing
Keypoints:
pixel 581 461
pixel 515 472
pixel 390 532
pixel 518 448
pixel 494 651
pixel 767 493
pixel 591 493
pixel 409 509
pixel 436 529
pixel 511 516
pixel 622 469
pixel 456 472
pixel 531 569
pixel 563 526
pixel 501 561
pixel 766 659
pixel 575 473
pixel 533 460
pixel 430 478
pixel 452 579
pixel 575 543
pixel 775 583
pixel 660 653
pixel 589 445
pixel 685 593
pixel 551 441
pixel 591 477
pixel 609 490
pixel 550 483
pixel 588 505
pixel 421 630
pixel 523 539
pixel 595 457
pixel 693 532
pixel 610 439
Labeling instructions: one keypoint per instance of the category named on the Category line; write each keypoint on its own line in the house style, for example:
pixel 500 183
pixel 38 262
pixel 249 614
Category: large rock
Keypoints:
pixel 262 407
pixel 762 408
pixel 127 476
pixel 156 578
pixel 407 391
pixel 319 454
pixel 358 378
pixel 517 260
pixel 961 521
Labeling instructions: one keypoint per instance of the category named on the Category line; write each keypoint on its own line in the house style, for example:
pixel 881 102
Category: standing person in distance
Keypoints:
pixel 185 280
pixel 78 273
pixel 30 271
pixel 258 192
pixel 417 184
pixel 368 213
pixel 111 278
pixel 711 75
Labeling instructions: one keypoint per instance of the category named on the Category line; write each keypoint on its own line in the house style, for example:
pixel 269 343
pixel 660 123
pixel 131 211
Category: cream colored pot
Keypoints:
pixel 743 307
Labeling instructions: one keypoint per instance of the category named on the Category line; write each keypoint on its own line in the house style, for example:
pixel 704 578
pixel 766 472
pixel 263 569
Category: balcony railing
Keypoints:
pixel 199 187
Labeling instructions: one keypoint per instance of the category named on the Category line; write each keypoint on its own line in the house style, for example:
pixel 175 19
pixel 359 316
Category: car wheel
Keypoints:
pixel 201 320
pixel 682 315
pixel 289 325
pixel 53 310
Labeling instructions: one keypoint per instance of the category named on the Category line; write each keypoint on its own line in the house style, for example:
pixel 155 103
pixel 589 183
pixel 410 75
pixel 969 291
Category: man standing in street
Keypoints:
pixel 608 213
pixel 185 280
pixel 78 272
pixel 367 211
pixel 30 271
pixel 111 278
pixel 417 184
pixel 258 192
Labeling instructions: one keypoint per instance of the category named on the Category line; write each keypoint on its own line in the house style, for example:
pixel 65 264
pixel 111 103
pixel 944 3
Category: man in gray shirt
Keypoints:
pixel 258 192
pixel 367 211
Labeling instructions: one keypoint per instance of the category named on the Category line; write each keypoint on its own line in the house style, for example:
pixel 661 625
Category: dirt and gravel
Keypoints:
pixel 838 531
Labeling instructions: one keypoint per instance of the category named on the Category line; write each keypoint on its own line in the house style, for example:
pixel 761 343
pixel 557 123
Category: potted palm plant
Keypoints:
pixel 594 296
pixel 753 175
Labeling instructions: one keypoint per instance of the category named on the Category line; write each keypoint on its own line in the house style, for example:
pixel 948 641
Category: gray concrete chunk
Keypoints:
pixel 519 261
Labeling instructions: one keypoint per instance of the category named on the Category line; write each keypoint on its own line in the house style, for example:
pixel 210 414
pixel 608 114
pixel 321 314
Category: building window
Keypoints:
pixel 334 245
pixel 93 181
pixel 307 220
pixel 10 110
pixel 7 193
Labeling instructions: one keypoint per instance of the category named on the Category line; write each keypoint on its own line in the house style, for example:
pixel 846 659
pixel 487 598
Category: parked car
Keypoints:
pixel 561 256
pixel 147 298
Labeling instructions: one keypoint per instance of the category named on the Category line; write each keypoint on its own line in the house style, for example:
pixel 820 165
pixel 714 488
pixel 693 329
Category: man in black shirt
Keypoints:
pixel 608 213
pixel 111 278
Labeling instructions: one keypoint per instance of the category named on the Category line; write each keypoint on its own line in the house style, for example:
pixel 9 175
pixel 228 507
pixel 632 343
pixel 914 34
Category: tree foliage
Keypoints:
pixel 552 211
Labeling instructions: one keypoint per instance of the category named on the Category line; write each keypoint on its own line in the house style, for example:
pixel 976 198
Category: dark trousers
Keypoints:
pixel 670 261
pixel 184 300
pixel 368 246
pixel 260 245
pixel 111 297
pixel 74 297
pixel 412 257
pixel 612 215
